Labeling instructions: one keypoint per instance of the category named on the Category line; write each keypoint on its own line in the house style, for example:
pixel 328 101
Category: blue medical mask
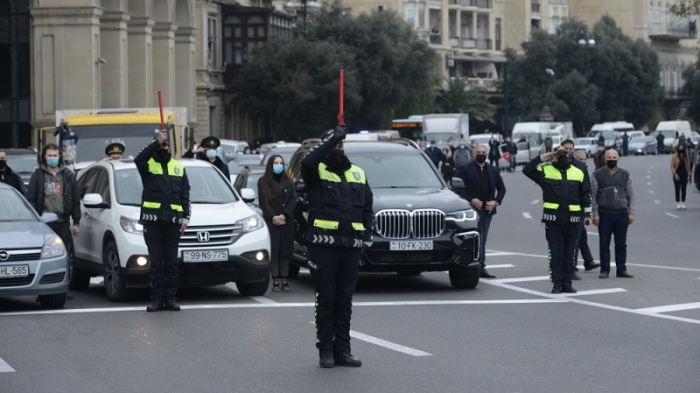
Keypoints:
pixel 52 162
pixel 277 168
pixel 211 154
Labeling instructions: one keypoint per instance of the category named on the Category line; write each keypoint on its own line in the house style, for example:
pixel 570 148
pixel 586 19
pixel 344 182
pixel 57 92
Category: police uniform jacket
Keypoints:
pixel 340 200
pixel 166 190
pixel 566 193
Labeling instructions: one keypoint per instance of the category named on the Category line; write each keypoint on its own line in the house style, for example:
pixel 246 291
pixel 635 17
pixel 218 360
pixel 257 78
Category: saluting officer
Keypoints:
pixel 114 151
pixel 165 213
pixel 206 151
pixel 340 224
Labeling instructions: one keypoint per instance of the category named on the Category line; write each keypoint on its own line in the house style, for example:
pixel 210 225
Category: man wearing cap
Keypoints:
pixel 206 151
pixel 114 151
pixel 567 200
pixel 340 225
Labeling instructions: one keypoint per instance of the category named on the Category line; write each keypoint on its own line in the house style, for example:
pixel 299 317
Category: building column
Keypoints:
pixel 113 43
pixel 140 53
pixel 445 25
pixel 185 72
pixel 164 61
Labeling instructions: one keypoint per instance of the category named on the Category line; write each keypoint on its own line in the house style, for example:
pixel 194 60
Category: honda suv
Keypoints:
pixel 419 224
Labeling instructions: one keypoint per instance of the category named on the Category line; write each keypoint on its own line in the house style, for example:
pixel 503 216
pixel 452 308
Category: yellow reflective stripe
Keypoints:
pixel 550 172
pixel 177 208
pixel 323 174
pixel 358 226
pixel 550 205
pixel 326 224
pixel 175 168
pixel 151 205
pixel 355 175
pixel 154 167
pixel 574 174
pixel 574 208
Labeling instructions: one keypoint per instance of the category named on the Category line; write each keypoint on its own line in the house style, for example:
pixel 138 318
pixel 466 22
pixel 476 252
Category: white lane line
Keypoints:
pixel 592 233
pixel 5 368
pixel 97 280
pixel 498 254
pixel 388 344
pixel 648 183
pixel 534 202
pixel 263 300
pixel 652 192
pixel 648 177
pixel 658 202
pixel 595 292
pixel 670 308
pixel 499 266
pixel 527 215
pixel 672 215
pixel 522 279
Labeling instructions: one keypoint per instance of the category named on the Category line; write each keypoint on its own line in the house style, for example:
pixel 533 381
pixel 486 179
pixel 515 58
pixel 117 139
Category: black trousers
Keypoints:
pixel 582 245
pixel 335 272
pixel 681 187
pixel 562 243
pixel 162 241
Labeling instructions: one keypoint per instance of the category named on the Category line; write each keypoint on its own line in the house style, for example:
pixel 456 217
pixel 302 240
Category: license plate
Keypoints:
pixel 205 256
pixel 411 245
pixel 14 271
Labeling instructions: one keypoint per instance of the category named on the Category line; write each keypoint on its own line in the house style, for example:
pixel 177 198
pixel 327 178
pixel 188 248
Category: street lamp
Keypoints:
pixel 307 7
pixel 582 42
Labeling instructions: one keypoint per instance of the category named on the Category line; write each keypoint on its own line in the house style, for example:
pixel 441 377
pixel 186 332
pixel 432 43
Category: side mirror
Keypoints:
pixel 457 183
pixel 248 195
pixel 94 201
pixel 49 217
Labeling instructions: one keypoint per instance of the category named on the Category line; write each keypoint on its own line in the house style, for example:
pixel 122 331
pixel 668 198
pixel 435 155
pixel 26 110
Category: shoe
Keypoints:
pixel 624 275
pixel 326 360
pixel 285 286
pixel 486 274
pixel 678 206
pixel 591 266
pixel 156 305
pixel 682 206
pixel 171 305
pixel 347 360
pixel 275 286
pixel 576 277
pixel 603 275
pixel 569 289
pixel 556 288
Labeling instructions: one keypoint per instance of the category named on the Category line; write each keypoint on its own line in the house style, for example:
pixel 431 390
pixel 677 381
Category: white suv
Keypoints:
pixel 226 241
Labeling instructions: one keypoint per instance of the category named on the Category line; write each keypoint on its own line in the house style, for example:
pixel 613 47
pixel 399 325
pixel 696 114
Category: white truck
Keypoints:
pixel 440 127
pixel 610 130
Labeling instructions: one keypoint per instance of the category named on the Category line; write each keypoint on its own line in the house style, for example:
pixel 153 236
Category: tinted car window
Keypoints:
pixel 13 207
pixel 22 163
pixel 390 171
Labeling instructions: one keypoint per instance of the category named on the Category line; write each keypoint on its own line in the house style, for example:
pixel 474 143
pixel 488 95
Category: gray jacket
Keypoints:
pixel 71 197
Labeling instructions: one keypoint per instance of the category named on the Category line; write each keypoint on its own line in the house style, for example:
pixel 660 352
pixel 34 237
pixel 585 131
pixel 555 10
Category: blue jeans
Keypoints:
pixel 485 219
pixel 512 162
pixel 613 224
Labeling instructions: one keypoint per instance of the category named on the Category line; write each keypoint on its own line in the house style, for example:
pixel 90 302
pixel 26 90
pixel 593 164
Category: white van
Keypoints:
pixel 672 130
pixel 610 129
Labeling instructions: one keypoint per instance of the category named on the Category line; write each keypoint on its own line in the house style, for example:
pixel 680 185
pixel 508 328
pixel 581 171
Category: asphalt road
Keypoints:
pixel 414 334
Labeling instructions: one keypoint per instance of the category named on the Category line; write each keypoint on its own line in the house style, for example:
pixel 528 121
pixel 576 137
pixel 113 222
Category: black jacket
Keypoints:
pixel 472 183
pixel 71 197
pixel 281 236
pixel 10 178
pixel 217 162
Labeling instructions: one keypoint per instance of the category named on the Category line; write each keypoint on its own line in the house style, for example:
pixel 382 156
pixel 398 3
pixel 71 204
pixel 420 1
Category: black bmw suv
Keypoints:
pixel 420 224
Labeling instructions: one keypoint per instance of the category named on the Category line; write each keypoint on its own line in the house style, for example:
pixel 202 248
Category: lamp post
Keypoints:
pixel 307 7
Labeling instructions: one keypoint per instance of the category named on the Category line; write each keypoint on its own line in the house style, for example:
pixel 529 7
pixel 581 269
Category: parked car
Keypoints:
pixel 33 259
pixel 225 242
pixel 240 161
pixel 248 178
pixel 420 224
pixel 588 145
pixel 22 162
pixel 642 145
pixel 231 148
pixel 278 145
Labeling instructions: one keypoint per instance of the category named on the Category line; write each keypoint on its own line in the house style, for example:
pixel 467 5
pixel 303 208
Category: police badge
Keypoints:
pixel 357 176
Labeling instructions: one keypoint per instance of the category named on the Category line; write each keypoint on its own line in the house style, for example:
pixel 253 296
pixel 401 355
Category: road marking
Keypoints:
pixel 672 215
pixel 592 233
pixel 595 292
pixel 387 344
pixel 648 177
pixel 263 300
pixel 499 266
pixel 522 279
pixel 670 308
pixel 527 215
pixel 534 202
pixel 652 192
pixel 97 280
pixel 648 183
pixel 497 254
pixel 658 202
pixel 5 368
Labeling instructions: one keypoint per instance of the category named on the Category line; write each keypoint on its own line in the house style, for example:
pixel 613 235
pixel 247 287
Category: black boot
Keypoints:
pixel 156 305
pixel 347 360
pixel 326 360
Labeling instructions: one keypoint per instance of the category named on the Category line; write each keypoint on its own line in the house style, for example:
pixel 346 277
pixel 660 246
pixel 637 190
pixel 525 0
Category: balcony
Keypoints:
pixel 435 39
pixel 535 8
pixel 676 30
pixel 472 3
pixel 675 94
pixel 484 3
pixel 477 43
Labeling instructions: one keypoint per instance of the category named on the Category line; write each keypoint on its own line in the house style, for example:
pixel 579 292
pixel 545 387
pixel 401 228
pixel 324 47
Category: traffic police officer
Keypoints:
pixel 340 224
pixel 206 151
pixel 567 199
pixel 165 213
pixel 114 151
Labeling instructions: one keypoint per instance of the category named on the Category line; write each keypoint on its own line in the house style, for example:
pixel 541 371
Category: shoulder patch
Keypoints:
pixel 177 170
pixel 357 175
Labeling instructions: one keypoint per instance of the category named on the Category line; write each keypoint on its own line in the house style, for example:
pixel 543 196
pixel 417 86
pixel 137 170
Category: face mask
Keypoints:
pixel 562 163
pixel 52 162
pixel 462 147
pixel 277 168
pixel 480 158
pixel 681 152
pixel 3 165
pixel 162 155
pixel 337 157
pixel 211 154
pixel 611 164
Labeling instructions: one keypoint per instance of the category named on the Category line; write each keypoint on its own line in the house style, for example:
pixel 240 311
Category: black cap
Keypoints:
pixel 211 142
pixel 115 148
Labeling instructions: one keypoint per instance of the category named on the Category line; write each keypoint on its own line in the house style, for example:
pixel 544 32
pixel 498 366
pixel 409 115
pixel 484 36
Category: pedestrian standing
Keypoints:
pixel 494 151
pixel 484 189
pixel 462 155
pixel 206 151
pixel 548 147
pixel 435 154
pixel 625 143
pixel 448 164
pixel 588 261
pixel 9 177
pixel 566 196
pixel 53 189
pixel 165 214
pixel 692 154
pixel 613 207
pixel 512 149
pixel 660 143
pixel 599 156
pixel 277 200
pixel 340 225
pixel 680 167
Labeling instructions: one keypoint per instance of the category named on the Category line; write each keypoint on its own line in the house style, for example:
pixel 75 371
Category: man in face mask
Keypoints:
pixel 206 151
pixel 613 212
pixel 484 189
pixel 8 177
pixel 566 196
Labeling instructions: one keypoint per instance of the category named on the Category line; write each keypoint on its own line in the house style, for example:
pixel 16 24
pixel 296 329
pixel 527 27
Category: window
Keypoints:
pixel 555 24
pixel 411 13
pixel 421 15
pixel 212 46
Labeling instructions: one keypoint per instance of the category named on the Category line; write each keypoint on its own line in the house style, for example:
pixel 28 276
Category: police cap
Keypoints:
pixel 115 148
pixel 211 142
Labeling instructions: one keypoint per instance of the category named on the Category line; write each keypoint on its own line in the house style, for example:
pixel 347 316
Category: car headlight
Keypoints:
pixel 462 215
pixel 252 223
pixel 131 226
pixel 53 247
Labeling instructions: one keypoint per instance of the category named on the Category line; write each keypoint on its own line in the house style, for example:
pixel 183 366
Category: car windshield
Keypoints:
pixel 206 186
pixel 668 134
pixel 13 208
pixel 389 171
pixel 638 139
pixel 92 140
pixel 22 163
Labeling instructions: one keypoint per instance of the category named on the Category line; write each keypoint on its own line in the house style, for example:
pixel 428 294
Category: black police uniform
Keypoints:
pixel 567 199
pixel 340 221
pixel 114 148
pixel 165 207
pixel 214 143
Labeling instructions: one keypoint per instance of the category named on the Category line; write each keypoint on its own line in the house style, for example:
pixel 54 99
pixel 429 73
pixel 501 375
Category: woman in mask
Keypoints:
pixel 206 151
pixel 680 168
pixel 277 201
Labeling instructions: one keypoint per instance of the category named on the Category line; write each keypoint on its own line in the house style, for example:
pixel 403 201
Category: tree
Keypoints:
pixel 692 87
pixel 457 99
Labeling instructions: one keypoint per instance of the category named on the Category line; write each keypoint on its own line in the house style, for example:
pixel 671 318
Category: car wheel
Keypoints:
pixel 253 288
pixel 78 280
pixel 115 287
pixel 464 278
pixel 53 301
pixel 293 270
pixel 409 273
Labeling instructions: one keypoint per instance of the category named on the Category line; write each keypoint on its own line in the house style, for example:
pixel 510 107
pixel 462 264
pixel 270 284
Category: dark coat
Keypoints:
pixel 494 152
pixel 472 184
pixel 10 178
pixel 281 237
pixel 71 197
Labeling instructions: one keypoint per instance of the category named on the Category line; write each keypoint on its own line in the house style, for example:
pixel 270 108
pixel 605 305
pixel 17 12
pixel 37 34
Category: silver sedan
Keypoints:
pixel 642 145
